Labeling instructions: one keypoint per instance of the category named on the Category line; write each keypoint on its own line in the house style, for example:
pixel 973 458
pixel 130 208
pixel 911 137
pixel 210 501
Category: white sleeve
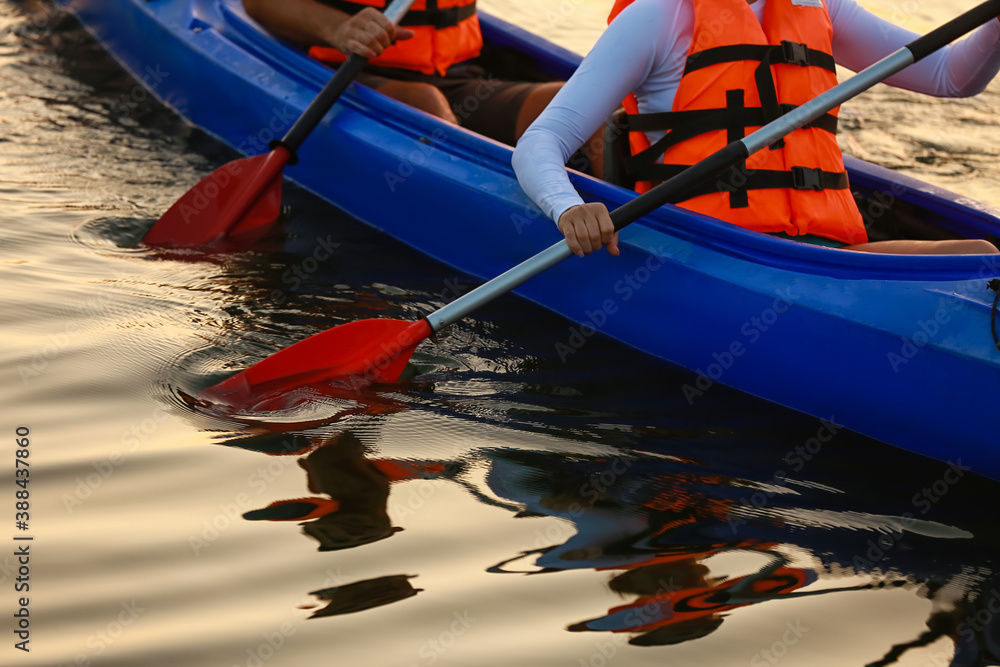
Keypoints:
pixel 619 63
pixel 959 70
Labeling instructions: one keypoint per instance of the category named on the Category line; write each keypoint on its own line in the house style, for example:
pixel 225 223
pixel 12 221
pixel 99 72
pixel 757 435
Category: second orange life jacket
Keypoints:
pixel 447 32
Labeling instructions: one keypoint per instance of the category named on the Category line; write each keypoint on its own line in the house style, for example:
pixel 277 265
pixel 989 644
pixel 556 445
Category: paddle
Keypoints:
pixel 242 199
pixel 377 350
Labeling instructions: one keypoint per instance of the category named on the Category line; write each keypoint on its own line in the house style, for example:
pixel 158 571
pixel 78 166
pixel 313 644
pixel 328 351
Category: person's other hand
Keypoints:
pixel 367 33
pixel 588 227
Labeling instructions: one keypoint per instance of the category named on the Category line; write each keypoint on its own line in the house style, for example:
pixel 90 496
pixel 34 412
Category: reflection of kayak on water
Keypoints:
pixel 660 527
pixel 677 597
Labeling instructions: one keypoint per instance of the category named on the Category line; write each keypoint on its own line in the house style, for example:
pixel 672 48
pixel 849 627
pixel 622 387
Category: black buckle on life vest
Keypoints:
pixel 805 178
pixel 795 53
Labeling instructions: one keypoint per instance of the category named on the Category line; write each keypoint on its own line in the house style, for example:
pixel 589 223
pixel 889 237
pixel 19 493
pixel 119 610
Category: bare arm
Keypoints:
pixel 310 23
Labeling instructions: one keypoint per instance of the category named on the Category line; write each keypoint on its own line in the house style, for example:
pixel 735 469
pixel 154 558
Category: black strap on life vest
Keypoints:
pixel 432 15
pixel 735 118
pixel 736 130
pixel 739 180
pixel 785 53
pixel 788 52
pixel 684 125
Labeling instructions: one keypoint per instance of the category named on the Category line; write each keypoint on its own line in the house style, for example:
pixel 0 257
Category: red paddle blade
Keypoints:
pixel 239 200
pixel 365 351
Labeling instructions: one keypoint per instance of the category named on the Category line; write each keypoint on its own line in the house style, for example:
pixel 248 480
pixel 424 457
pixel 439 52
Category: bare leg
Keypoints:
pixel 950 247
pixel 423 96
pixel 534 104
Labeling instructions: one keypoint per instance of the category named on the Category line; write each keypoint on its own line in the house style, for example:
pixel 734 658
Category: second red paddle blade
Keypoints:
pixel 242 198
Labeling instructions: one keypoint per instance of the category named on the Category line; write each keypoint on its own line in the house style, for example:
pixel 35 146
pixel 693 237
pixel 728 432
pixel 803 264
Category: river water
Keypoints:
pixel 502 508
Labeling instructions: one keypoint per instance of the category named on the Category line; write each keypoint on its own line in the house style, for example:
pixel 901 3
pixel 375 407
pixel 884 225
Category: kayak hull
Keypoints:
pixel 897 348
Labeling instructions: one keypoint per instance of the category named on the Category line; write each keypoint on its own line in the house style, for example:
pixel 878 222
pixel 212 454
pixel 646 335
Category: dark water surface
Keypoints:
pixel 502 508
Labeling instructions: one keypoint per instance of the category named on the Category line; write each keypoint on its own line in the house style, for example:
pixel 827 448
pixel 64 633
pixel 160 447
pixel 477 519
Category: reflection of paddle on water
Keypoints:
pixel 350 505
pixel 348 508
pixel 362 595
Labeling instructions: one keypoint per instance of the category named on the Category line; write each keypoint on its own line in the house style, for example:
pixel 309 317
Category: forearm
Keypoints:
pixel 304 22
pixel 973 62
pixel 539 164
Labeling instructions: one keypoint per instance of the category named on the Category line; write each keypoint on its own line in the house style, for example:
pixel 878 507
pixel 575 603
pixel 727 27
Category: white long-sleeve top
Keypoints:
pixel 644 51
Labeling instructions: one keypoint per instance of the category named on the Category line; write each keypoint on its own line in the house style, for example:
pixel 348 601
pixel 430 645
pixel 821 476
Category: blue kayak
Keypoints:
pixel 899 348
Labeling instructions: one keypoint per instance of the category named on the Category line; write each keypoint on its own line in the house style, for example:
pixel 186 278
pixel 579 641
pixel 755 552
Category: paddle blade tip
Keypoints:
pixel 239 200
pixel 353 356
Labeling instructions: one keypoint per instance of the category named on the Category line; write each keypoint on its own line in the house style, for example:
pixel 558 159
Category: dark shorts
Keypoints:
pixel 481 103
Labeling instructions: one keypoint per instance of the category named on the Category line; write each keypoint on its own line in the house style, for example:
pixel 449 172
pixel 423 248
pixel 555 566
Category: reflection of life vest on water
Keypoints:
pixel 673 608
pixel 445 32
pixel 742 73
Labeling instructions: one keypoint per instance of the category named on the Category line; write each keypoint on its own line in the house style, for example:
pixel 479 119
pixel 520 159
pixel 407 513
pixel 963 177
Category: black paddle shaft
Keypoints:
pixel 678 188
pixel 326 98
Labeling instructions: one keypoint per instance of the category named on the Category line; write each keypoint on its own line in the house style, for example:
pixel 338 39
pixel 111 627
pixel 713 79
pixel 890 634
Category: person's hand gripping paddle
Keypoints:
pixel 241 200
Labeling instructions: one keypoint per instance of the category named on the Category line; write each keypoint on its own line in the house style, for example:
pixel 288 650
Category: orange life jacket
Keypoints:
pixel 742 73
pixel 696 602
pixel 446 32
